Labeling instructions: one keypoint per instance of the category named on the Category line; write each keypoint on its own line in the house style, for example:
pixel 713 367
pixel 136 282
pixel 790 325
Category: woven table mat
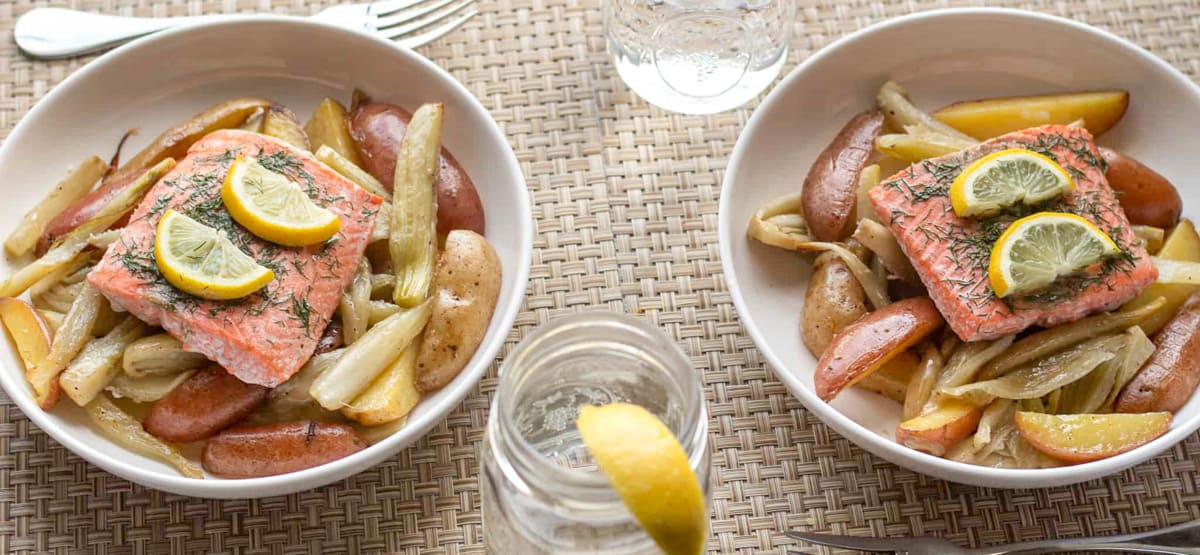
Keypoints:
pixel 625 197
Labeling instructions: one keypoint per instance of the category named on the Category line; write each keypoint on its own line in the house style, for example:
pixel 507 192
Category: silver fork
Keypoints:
pixel 1181 539
pixel 51 33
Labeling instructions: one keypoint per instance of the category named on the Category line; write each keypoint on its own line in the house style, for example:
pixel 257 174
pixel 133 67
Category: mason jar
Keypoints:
pixel 542 493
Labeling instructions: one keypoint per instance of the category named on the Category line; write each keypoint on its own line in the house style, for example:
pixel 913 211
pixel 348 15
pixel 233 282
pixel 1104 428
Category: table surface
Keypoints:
pixel 625 197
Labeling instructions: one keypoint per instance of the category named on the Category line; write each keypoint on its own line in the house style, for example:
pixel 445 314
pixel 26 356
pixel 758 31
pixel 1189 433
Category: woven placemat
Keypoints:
pixel 625 198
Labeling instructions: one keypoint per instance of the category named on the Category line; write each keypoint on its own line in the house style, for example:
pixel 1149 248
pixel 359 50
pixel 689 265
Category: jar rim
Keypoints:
pixel 535 472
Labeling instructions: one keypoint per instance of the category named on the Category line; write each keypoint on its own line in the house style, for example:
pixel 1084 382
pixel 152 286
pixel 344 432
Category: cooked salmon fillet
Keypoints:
pixel 266 337
pixel 951 253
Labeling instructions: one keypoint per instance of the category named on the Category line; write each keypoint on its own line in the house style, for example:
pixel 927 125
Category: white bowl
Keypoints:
pixel 161 80
pixel 940 56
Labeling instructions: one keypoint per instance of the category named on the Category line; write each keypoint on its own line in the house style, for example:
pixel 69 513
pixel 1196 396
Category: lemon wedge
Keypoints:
pixel 650 471
pixel 203 261
pixel 1002 179
pixel 273 207
pixel 1036 250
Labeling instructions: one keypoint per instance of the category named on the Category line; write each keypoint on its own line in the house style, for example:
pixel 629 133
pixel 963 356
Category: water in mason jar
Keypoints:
pixel 543 413
pixel 698 56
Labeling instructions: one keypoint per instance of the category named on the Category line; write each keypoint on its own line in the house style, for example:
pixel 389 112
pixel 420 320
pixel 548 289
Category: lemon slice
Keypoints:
pixel 650 471
pixel 1002 179
pixel 1036 250
pixel 203 261
pixel 273 207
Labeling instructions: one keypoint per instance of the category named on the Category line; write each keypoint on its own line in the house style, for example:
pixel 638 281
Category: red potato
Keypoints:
pixel 1147 197
pixel 279 448
pixel 208 402
pixel 1168 379
pixel 172 143
pixel 831 187
pixel 1089 437
pixel 377 129
pixel 331 338
pixel 937 431
pixel 871 341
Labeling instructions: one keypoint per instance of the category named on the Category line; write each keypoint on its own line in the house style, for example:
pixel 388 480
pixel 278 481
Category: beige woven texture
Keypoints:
pixel 625 197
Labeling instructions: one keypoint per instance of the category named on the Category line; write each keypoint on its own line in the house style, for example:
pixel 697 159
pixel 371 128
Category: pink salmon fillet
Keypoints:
pixel 951 253
pixel 266 337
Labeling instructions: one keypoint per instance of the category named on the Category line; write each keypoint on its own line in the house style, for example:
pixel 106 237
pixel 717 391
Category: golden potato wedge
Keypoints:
pixel 1183 245
pixel 830 192
pixel 32 337
pixel 466 288
pixel 832 301
pixel 992 117
pixel 391 396
pixel 330 126
pixel 1090 437
pixel 282 123
pixel 864 346
pixel 935 432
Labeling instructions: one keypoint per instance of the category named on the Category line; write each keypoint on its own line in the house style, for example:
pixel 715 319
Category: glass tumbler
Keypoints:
pixel 542 493
pixel 698 56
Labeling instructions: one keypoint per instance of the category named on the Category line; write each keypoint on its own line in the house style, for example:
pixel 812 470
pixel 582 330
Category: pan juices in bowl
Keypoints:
pixel 305 134
pixel 1118 108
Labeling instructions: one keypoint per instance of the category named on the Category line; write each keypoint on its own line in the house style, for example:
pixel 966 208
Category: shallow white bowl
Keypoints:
pixel 161 80
pixel 940 56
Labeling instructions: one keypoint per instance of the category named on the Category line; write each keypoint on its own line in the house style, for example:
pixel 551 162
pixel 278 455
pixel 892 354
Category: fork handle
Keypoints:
pixel 1181 539
pixel 50 33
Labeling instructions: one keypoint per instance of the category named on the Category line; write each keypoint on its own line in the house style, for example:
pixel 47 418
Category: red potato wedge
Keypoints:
pixel 1147 197
pixel 378 128
pixel 830 191
pixel 208 402
pixel 937 431
pixel 32 337
pixel 172 143
pixel 871 341
pixel 1089 437
pixel 992 117
pixel 1168 379
pixel 279 448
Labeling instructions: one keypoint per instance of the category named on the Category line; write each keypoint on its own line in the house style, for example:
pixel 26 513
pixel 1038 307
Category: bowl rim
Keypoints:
pixel 879 445
pixel 414 429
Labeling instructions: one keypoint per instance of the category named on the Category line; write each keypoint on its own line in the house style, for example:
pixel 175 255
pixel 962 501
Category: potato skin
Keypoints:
pixel 1147 197
pixel 938 431
pixel 377 129
pixel 208 402
pixel 871 341
pixel 466 288
pixel 1168 379
pixel 279 448
pixel 833 300
pixel 831 186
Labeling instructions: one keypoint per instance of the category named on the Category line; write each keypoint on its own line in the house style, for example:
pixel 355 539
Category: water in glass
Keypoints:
pixel 698 56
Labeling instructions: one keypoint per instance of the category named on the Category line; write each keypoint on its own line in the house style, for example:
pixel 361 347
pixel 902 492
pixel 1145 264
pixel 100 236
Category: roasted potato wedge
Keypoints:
pixel 1168 379
pixel 830 192
pixel 368 357
pixel 466 289
pixel 864 346
pixel 208 402
pixel 935 432
pixel 891 380
pixel 378 128
pixel 1147 197
pixel 391 396
pixel 832 301
pixel 992 117
pixel 1183 245
pixel 1089 437
pixel 330 126
pixel 279 448
pixel 283 124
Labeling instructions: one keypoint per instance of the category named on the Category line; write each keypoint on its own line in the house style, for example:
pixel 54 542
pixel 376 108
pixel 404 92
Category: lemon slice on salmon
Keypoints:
pixel 203 261
pixel 650 471
pixel 1002 179
pixel 274 207
pixel 1036 250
